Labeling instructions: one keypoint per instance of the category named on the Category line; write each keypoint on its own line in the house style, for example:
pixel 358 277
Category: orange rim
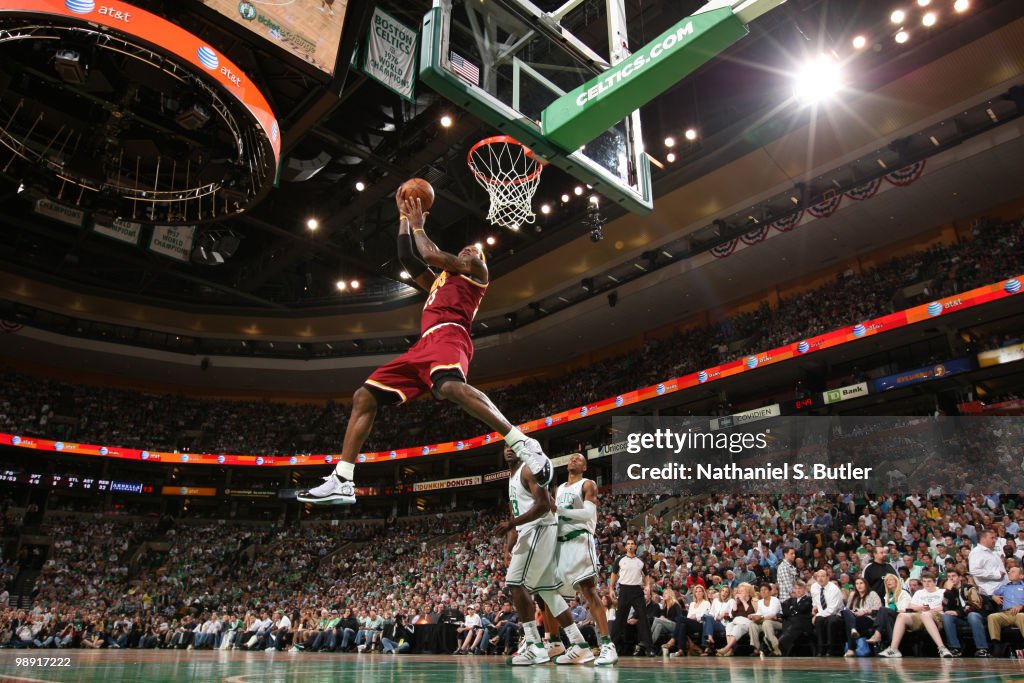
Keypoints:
pixel 508 140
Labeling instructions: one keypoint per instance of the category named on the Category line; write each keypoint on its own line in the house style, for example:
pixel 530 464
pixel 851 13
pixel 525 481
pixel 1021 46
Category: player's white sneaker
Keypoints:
pixel 576 655
pixel 530 654
pixel 334 491
pixel 607 656
pixel 529 452
pixel 554 648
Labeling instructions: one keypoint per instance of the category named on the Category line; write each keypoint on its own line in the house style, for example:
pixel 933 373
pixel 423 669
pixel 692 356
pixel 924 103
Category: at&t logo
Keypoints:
pixel 87 6
pixel 208 58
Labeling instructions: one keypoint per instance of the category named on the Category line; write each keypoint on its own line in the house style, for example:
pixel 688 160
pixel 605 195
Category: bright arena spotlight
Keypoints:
pixel 818 80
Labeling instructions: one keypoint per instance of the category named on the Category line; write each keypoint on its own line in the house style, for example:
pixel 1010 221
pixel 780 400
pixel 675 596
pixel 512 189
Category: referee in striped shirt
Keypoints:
pixel 628 570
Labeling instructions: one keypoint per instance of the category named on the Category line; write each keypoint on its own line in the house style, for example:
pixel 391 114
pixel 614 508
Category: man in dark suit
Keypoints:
pixel 796 620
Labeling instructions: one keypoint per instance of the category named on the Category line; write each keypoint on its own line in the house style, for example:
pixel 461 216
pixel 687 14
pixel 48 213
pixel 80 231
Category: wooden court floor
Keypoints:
pixel 157 666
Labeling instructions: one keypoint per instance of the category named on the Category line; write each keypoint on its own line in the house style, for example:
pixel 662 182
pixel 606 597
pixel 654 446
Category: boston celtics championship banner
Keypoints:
pixel 391 54
pixel 122 231
pixel 173 241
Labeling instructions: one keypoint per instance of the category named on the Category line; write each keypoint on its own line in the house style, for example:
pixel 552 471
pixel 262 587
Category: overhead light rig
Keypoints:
pixel 139 119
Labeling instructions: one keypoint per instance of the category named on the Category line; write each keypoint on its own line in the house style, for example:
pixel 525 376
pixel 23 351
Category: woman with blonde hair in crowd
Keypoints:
pixel 740 623
pixel 895 601
pixel 716 618
pixel 671 612
pixel 690 625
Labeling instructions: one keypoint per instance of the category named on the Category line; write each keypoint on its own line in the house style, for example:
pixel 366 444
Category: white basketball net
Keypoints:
pixel 510 174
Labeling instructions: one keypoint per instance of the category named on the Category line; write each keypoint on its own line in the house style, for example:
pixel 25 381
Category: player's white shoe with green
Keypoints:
pixel 531 654
pixel 608 655
pixel 576 654
pixel 554 648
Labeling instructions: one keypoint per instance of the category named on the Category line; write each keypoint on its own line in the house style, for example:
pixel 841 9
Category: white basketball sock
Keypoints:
pixel 531 632
pixel 345 470
pixel 575 637
pixel 514 435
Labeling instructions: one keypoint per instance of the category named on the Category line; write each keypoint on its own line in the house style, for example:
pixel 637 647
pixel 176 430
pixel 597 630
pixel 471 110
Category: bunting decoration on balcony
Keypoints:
pixel 826 207
pixel 865 191
pixel 724 249
pixel 906 175
pixel 787 223
pixel 754 236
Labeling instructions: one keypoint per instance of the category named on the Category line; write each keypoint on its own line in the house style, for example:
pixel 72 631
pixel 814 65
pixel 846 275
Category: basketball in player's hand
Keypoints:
pixel 417 188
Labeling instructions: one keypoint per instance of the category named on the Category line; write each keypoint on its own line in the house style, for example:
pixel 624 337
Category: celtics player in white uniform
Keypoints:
pixel 578 567
pixel 531 560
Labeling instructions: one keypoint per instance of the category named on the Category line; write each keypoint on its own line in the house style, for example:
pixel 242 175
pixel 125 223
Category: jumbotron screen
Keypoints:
pixel 309 29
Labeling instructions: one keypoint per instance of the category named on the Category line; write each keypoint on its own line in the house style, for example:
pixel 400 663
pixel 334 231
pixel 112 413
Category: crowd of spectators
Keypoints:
pixel 230 585
pixel 59 410
pixel 101 588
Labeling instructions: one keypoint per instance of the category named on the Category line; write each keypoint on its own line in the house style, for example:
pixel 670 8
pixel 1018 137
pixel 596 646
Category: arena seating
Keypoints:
pixel 59 410
pixel 98 576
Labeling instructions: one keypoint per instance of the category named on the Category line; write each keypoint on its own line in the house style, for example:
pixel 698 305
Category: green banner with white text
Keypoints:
pixel 578 117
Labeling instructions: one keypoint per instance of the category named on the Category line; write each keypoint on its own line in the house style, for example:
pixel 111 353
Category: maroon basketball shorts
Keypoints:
pixel 444 351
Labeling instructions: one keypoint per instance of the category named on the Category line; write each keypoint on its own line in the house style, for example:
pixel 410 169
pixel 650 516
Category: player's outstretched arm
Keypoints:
pixel 466 263
pixel 410 260
pixel 588 511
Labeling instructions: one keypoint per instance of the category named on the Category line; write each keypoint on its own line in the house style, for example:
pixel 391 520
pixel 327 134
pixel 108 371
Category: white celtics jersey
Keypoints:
pixel 570 497
pixel 521 499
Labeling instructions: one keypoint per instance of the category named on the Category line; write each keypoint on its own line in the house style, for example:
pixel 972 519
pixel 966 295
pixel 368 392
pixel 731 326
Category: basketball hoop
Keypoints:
pixel 510 173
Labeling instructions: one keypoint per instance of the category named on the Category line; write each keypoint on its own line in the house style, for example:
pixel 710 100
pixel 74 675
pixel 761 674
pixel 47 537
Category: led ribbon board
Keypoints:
pixel 850 334
pixel 165 37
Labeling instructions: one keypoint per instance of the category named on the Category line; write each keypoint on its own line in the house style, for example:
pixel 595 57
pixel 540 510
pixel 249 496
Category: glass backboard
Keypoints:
pixel 505 61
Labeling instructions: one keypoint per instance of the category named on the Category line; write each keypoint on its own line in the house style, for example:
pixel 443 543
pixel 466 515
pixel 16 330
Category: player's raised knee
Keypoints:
pixel 363 400
pixel 451 389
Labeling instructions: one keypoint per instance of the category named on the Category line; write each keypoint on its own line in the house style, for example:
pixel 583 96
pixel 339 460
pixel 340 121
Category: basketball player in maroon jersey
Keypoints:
pixel 438 362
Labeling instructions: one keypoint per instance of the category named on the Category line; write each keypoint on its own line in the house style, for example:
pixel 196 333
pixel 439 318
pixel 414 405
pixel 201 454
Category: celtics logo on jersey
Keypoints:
pixel 247 11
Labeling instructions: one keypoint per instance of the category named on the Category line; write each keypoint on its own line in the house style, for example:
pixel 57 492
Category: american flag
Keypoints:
pixel 465 68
